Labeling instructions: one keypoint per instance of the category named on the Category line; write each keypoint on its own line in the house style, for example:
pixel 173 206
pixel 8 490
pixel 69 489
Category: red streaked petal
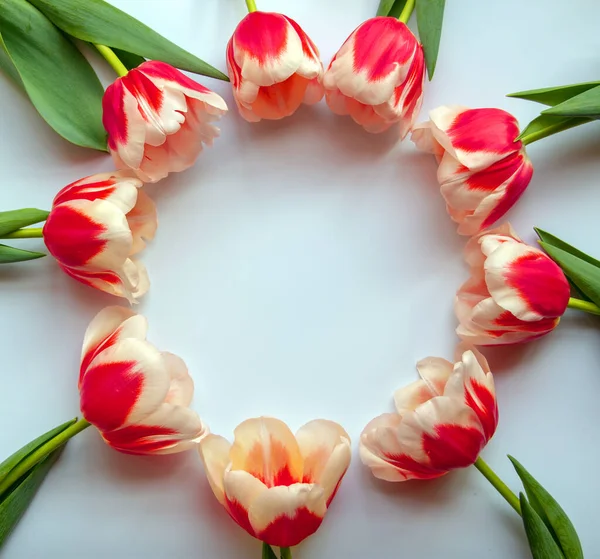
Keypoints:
pixel 106 328
pixel 453 446
pixel 124 384
pixel 109 392
pixel 72 236
pixel 284 516
pixel 490 130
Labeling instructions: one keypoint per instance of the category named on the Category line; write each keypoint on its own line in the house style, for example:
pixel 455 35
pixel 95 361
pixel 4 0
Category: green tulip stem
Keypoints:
pixel 581 305
pixel 23 467
pixel 407 11
pixel 110 57
pixel 251 5
pixel 286 553
pixel 26 233
pixel 498 484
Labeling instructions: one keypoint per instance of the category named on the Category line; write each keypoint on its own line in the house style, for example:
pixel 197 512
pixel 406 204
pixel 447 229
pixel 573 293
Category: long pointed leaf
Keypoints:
pixel 384 7
pixel 129 59
pixel 547 125
pixel 554 95
pixel 430 16
pixel 550 239
pixel 10 255
pixel 267 552
pixel 584 275
pixel 96 21
pixel 540 539
pixel 7 66
pixel 15 219
pixel 30 447
pixel 552 514
pixel 14 505
pixel 586 104
pixel 58 79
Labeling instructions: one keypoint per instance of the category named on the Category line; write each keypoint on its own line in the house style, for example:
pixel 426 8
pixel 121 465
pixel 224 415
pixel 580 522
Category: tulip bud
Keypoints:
pixel 377 76
pixel 516 293
pixel 158 120
pixel 442 422
pixel 275 485
pixel 273 66
pixel 482 169
pixel 136 396
pixel 96 225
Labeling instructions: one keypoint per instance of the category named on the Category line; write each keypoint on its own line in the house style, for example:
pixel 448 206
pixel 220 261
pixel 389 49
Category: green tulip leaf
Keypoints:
pixel 15 503
pixel 550 239
pixel 97 21
pixel 430 16
pixel 541 542
pixel 551 513
pixel 129 60
pixel 267 552
pixel 547 125
pixel 586 104
pixel 30 447
pixel 584 275
pixel 58 79
pixel 384 7
pixel 10 255
pixel 554 95
pixel 15 219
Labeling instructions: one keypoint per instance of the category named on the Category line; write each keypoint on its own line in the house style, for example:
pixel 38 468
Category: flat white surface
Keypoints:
pixel 301 268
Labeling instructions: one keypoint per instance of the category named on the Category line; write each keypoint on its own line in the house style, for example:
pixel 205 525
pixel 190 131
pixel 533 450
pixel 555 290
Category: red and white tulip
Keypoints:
pixel 95 227
pixel 516 293
pixel 442 422
pixel 136 396
pixel 273 66
pixel 158 120
pixel 482 170
pixel 377 76
pixel 275 485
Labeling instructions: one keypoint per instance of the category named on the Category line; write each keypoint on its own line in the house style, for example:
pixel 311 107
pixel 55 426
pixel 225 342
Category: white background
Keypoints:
pixel 301 268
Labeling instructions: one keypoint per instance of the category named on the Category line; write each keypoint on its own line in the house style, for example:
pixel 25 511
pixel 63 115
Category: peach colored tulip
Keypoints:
pixel 275 485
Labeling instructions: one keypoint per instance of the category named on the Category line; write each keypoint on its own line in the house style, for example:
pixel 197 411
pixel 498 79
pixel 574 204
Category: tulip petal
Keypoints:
pixel 477 138
pixel 169 429
pixel 142 221
pixel 214 452
pixel 131 376
pixel 266 448
pixel 117 187
pixel 181 388
pixel 388 456
pixel 472 383
pixel 443 432
pixel 526 282
pixel 110 325
pixel 266 48
pixel 283 516
pixel 241 490
pixel 325 448
pixel 434 373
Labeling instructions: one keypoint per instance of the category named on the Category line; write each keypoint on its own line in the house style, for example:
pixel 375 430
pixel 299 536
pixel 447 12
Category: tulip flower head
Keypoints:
pixel 482 170
pixel 442 421
pixel 136 396
pixel 158 120
pixel 95 227
pixel 516 293
pixel 275 485
pixel 273 66
pixel 377 76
